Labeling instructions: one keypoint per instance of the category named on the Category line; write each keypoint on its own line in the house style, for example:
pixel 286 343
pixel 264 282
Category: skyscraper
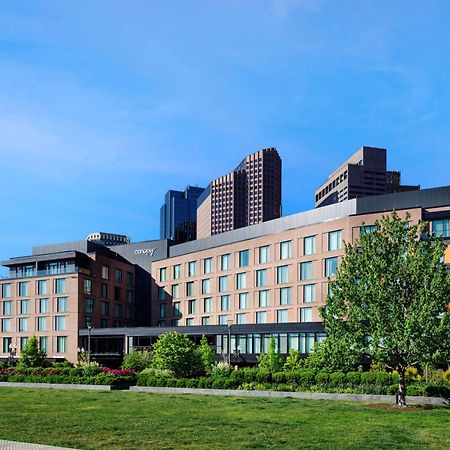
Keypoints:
pixel 178 215
pixel 249 194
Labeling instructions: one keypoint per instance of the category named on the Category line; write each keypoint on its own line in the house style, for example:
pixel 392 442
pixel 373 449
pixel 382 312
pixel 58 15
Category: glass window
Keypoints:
pixel 309 245
pixel 264 254
pixel 129 279
pixel 175 291
pixel 7 308
pixel 243 258
pixel 23 342
pixel 285 250
pixel 205 320
pixel 105 272
pixel 104 290
pixel 129 296
pixel 282 316
pixel 60 323
pixel 60 286
pixel 223 283
pixel 89 305
pixel 161 293
pixel 6 325
pixel 190 289
pixel 61 344
pixel 6 290
pixel 176 271
pixel 206 286
pixel 225 262
pixel 189 322
pixel 191 307
pixel 261 317
pixel 105 309
pixel 207 304
pixel 261 277
pixel 23 324
pixel 334 240
pixel 305 314
pixel 223 319
pixel 117 293
pixel 42 323
pixel 241 318
pixel 88 287
pixel 367 229
pixel 241 281
pixel 309 293
pixel 331 266
pixel 7 344
pixel 243 300
pixel 119 276
pixel 24 306
pixel 61 304
pixel 163 274
pixel 207 265
pixel 23 289
pixel 306 270
pixel 43 343
pixel 42 287
pixel 263 298
pixel 285 296
pixel 192 268
pixel 177 309
pixel 118 311
pixel 43 305
pixel 103 323
pixel 162 310
pixel 225 303
pixel 282 274
pixel 440 227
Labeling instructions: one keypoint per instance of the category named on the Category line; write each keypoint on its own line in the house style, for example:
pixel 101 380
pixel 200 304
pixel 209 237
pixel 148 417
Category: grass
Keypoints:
pixel 133 420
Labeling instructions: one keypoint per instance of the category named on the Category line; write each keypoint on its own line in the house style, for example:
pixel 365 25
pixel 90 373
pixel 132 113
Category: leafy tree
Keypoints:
pixel 271 360
pixel 390 298
pixel 207 354
pixel 137 360
pixel 31 356
pixel 294 361
pixel 177 353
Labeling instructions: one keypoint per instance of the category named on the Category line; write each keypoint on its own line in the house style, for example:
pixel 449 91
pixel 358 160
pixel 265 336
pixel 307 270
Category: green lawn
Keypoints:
pixel 132 420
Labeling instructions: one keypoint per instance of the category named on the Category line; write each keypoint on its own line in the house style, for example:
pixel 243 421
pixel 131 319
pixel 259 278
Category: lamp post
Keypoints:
pixel 229 323
pixel 89 327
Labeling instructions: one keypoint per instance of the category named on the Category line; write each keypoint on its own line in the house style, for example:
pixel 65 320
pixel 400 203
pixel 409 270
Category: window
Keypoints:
pixel 162 310
pixel 23 324
pixel 282 316
pixel 42 323
pixel 62 304
pixel 60 286
pixel 285 250
pixel 23 342
pixel 309 245
pixel 225 262
pixel 175 291
pixel 7 308
pixel 42 287
pixel 207 304
pixel 192 268
pixel 306 270
pixel 241 280
pixel 6 290
pixel 243 300
pixel 285 296
pixel 223 283
pixel 43 343
pixel 117 294
pixel 263 298
pixel 331 265
pixel 88 287
pixel 24 306
pixel 305 314
pixel 282 274
pixel 243 258
pixel 119 276
pixel 104 290
pixel 103 323
pixel 176 271
pixel 129 279
pixel 309 293
pixel 161 293
pixel 60 323
pixel 191 307
pixel 89 305
pixel 241 318
pixel 367 229
pixel 440 228
pixel 206 286
pixel 334 240
pixel 177 309
pixel 261 317
pixel 129 296
pixel 205 320
pixel 163 274
pixel 43 305
pixel 261 277
pixel 223 319
pixel 225 303
pixel 7 344
pixel 105 309
pixel 207 265
pixel 118 311
pixel 264 254
pixel 6 325
pixel 189 322
pixel 61 344
pixel 105 272
pixel 190 289
pixel 23 289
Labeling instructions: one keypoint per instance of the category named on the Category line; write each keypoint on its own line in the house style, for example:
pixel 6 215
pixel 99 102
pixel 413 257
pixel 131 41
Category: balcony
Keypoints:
pixel 45 273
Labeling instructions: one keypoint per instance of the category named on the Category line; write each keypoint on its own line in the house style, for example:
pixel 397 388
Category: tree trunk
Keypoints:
pixel 401 387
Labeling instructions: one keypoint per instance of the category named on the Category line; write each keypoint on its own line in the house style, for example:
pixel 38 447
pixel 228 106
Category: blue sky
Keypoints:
pixel 104 105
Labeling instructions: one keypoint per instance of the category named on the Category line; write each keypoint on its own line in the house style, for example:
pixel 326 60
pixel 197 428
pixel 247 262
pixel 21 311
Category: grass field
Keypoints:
pixel 132 420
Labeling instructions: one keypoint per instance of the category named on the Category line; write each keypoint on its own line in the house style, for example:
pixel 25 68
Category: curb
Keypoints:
pixel 68 387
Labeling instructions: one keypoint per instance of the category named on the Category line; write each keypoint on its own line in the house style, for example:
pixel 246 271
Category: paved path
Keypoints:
pixel 11 445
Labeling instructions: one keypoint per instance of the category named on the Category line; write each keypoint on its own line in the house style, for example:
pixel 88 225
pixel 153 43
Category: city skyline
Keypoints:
pixel 99 119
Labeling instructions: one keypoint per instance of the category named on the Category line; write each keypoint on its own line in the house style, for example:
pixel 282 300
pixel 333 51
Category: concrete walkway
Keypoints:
pixel 12 445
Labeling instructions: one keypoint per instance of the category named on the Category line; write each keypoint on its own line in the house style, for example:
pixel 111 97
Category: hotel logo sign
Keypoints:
pixel 145 251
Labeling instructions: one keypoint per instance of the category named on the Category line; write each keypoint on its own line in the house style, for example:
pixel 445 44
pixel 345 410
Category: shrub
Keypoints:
pixel 337 379
pixel 279 377
pixel 221 369
pixel 90 369
pixel 31 356
pixel 353 378
pixel 271 360
pixel 137 360
pixel 206 355
pixel 294 361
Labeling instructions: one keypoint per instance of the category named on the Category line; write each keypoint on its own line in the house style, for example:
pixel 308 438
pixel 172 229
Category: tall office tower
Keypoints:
pixel 249 194
pixel 178 215
pixel 362 175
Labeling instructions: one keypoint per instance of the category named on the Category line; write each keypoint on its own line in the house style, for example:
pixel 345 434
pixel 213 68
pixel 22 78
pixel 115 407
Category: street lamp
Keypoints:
pixel 229 323
pixel 89 327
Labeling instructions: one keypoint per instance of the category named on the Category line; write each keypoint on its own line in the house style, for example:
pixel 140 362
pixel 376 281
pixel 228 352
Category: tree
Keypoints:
pixel 177 353
pixel 294 361
pixel 206 354
pixel 390 299
pixel 31 356
pixel 137 360
pixel 271 360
